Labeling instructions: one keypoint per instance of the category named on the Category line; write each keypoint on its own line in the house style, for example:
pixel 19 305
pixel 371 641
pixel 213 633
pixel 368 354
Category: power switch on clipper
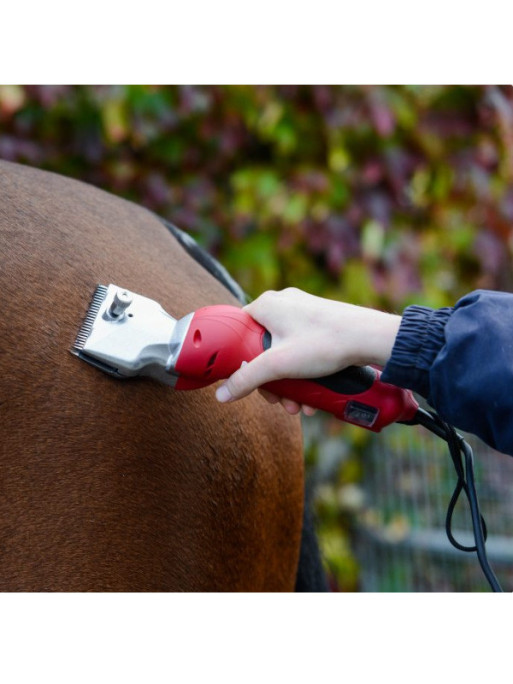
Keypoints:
pixel 360 414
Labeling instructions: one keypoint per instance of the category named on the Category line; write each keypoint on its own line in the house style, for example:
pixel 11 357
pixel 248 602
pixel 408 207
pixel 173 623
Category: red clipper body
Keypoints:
pixel 220 338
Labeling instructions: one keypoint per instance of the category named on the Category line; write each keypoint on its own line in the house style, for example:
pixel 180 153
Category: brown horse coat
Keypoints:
pixel 108 485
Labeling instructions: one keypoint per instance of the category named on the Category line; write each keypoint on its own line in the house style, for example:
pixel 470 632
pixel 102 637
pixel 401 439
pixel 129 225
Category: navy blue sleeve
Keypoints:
pixel 461 360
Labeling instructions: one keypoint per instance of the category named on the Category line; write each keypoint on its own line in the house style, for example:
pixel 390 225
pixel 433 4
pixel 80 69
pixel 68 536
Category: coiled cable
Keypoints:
pixel 463 460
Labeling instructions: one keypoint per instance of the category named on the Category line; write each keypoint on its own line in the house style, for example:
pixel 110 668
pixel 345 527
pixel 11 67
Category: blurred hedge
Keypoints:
pixel 379 195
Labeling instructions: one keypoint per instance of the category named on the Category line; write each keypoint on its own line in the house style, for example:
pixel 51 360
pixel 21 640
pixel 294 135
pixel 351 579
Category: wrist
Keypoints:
pixel 389 330
pixel 377 337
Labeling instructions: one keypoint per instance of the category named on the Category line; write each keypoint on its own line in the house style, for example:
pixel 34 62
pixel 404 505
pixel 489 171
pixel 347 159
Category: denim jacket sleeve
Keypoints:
pixel 461 360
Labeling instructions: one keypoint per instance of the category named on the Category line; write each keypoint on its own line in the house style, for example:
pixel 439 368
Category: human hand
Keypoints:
pixel 311 337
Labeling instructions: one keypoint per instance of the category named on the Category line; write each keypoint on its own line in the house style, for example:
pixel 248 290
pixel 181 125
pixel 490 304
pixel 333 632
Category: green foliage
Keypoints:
pixel 381 195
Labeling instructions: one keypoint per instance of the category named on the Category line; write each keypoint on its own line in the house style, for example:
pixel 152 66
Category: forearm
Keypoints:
pixel 461 361
pixel 419 339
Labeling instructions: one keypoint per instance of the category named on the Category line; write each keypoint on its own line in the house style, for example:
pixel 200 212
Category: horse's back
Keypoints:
pixel 124 486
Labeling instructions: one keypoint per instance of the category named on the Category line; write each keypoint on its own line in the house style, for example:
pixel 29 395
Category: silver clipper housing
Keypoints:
pixel 125 334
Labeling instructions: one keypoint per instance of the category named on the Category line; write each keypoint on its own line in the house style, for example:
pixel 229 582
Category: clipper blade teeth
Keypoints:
pixel 97 300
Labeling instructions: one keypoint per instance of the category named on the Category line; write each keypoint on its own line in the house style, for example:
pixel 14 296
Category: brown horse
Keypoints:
pixel 108 485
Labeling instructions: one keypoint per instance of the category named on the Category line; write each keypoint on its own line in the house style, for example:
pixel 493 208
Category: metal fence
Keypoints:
pixel 399 532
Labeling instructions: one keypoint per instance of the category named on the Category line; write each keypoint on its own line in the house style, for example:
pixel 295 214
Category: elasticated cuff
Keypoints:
pixel 420 337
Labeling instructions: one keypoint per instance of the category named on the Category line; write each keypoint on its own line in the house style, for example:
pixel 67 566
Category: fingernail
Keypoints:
pixel 223 394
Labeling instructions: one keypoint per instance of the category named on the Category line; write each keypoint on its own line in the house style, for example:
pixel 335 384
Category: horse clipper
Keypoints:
pixel 126 334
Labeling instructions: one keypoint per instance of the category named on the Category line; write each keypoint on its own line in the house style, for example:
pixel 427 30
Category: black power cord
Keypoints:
pixel 463 461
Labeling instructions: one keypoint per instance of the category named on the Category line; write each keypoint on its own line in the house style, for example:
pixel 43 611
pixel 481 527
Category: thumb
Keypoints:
pixel 249 376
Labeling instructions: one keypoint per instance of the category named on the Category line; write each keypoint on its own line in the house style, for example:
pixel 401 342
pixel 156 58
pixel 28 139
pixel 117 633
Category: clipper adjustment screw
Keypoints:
pixel 121 302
